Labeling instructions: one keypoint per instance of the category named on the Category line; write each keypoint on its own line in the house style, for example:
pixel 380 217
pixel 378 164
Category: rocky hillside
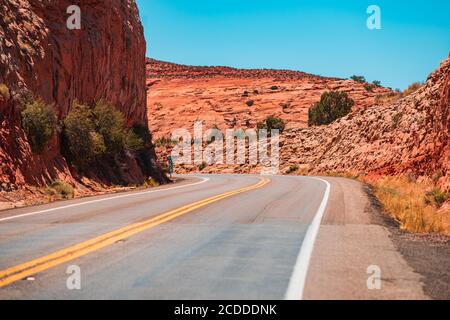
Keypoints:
pixel 408 136
pixel 225 97
pixel 39 54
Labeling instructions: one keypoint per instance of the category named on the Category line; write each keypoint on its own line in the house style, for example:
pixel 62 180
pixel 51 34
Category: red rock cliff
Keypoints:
pixel 104 59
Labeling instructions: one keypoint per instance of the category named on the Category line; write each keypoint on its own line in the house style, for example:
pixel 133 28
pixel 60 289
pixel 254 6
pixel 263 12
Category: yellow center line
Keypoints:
pixel 32 267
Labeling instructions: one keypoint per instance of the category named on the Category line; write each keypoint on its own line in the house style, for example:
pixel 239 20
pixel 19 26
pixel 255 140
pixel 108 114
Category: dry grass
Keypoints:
pixel 416 205
pixel 4 91
pixel 60 190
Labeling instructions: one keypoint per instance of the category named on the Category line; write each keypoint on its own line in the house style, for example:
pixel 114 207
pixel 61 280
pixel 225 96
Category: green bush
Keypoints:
pixel 133 142
pixel 271 123
pixel 39 123
pixel 376 83
pixel 436 197
pixel 274 88
pixel 92 133
pixel 359 79
pixel 142 132
pixel 369 87
pixel 332 105
pixel 250 103
pixel 202 166
pixel 4 92
pixel 110 123
pixel 84 144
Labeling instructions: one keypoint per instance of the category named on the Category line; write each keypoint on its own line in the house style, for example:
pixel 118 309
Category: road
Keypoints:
pixel 207 237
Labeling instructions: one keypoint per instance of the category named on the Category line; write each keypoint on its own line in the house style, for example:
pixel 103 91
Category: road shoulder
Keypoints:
pixel 356 238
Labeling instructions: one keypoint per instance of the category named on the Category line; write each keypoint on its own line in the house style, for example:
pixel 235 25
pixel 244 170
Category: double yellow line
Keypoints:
pixel 32 267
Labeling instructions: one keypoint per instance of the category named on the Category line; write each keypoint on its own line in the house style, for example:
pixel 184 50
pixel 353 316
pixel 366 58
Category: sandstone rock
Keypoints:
pixel 105 59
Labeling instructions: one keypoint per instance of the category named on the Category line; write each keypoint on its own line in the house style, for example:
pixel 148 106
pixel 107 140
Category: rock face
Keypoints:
pixel 179 95
pixel 38 53
pixel 410 136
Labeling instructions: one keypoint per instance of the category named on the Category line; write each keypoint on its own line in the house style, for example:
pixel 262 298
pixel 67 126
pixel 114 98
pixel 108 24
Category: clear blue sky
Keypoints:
pixel 323 37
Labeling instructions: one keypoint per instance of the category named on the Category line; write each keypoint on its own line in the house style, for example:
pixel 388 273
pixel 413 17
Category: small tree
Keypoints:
pixel 271 123
pixel 39 123
pixel 376 83
pixel 332 105
pixel 359 79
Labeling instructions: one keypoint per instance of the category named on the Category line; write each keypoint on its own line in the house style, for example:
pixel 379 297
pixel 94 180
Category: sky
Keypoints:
pixel 324 37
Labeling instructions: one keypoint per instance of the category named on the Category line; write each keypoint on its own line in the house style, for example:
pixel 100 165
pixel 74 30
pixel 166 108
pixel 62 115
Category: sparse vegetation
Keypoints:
pixel 61 189
pixel 202 166
pixel 142 132
pixel 273 88
pixel 250 103
pixel 436 197
pixel 369 87
pixel 84 144
pixel 409 202
pixel 92 133
pixel 151 182
pixel 39 122
pixel 388 98
pixel 271 123
pixel 376 83
pixel 413 87
pixel 292 169
pixel 164 141
pixel 4 92
pixel 359 79
pixel 332 106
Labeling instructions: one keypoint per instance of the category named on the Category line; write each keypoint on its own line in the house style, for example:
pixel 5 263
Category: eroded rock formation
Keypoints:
pixel 38 53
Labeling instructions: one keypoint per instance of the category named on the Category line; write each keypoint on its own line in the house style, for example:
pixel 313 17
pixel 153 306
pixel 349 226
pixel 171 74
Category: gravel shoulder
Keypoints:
pixel 356 235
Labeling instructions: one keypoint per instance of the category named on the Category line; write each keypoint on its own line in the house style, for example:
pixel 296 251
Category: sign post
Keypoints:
pixel 170 165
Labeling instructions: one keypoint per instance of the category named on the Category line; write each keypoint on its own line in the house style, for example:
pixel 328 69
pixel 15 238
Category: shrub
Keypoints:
pixel 4 92
pixel 274 88
pixel 250 103
pixel 292 169
pixel 84 144
pixel 376 83
pixel 63 189
pixel 94 133
pixel 202 166
pixel 165 141
pixel 142 132
pixel 275 123
pixel 369 87
pixel 39 123
pixel 332 105
pixel 359 79
pixel 411 204
pixel 110 123
pixel 436 197
pixel 271 123
pixel 133 142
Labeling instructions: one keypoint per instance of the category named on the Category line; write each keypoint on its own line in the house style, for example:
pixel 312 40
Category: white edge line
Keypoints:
pixel 101 200
pixel 298 277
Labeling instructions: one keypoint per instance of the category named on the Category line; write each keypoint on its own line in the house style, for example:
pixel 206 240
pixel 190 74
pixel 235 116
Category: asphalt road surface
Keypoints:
pixel 206 237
